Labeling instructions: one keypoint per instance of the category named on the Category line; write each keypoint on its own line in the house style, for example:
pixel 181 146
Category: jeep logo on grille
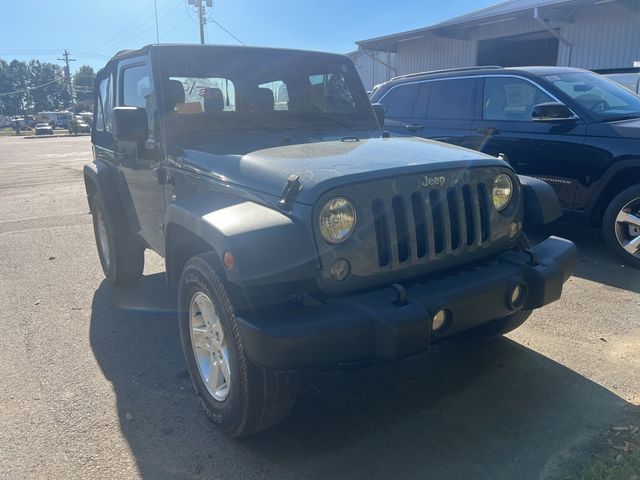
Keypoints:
pixel 428 181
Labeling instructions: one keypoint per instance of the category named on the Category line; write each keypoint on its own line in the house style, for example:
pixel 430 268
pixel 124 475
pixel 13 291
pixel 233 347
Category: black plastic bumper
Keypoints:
pixel 375 325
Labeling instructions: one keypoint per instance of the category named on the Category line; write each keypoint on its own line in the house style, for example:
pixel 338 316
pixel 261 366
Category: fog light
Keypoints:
pixel 517 295
pixel 340 270
pixel 439 320
pixel 514 230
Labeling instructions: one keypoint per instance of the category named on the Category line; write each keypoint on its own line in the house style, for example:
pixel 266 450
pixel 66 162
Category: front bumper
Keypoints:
pixel 375 325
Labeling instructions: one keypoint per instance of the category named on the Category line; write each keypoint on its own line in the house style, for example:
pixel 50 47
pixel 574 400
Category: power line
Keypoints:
pixel 142 31
pixel 228 32
pixel 30 88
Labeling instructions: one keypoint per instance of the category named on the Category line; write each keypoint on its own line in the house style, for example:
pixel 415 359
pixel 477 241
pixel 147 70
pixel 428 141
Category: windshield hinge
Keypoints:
pixel 289 192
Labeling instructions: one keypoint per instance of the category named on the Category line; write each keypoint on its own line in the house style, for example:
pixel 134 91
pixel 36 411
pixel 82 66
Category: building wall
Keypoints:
pixel 602 36
pixel 374 71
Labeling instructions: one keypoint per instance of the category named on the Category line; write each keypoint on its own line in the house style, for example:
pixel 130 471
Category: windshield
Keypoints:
pixel 605 99
pixel 269 90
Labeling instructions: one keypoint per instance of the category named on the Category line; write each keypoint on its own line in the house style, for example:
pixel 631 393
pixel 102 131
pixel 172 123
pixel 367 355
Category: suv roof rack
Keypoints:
pixel 447 70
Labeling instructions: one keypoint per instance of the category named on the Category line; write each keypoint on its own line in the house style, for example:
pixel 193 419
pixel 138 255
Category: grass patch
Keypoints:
pixel 619 459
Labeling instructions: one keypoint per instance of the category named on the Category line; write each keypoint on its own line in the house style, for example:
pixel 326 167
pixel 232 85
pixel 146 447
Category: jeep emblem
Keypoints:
pixel 428 181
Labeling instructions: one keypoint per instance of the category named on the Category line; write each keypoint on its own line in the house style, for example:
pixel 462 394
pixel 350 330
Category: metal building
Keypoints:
pixel 580 33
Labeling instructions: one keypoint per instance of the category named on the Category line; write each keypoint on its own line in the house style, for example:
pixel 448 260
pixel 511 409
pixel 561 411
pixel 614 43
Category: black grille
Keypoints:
pixel 430 224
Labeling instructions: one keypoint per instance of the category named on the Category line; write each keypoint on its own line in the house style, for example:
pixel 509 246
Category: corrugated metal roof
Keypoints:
pixel 502 11
pixel 509 6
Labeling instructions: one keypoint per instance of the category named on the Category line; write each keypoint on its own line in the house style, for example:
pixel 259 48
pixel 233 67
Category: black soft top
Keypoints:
pixel 177 47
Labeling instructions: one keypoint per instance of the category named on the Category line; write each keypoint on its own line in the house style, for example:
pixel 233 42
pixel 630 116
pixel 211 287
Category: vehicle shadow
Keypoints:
pixel 595 261
pixel 478 410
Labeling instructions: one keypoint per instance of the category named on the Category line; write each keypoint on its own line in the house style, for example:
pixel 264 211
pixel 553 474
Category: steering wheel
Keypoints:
pixel 599 106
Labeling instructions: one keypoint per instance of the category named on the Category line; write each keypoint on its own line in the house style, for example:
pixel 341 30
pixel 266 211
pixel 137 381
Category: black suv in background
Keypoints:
pixel 569 127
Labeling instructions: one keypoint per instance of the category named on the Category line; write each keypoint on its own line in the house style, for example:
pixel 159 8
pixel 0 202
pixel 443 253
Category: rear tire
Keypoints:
pixel 121 255
pixel 237 396
pixel 619 233
pixel 501 326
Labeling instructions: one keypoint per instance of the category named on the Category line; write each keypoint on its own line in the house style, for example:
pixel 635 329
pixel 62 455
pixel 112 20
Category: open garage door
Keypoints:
pixel 539 48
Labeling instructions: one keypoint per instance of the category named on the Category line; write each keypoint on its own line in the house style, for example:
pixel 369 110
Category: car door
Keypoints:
pixel 444 110
pixel 549 150
pixel 140 161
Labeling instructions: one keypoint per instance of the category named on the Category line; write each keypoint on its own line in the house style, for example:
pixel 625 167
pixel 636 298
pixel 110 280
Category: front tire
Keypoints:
pixel 121 255
pixel 621 226
pixel 237 396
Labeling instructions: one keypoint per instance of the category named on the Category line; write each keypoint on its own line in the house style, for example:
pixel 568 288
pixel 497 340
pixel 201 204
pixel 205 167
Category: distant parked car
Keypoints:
pixel 629 78
pixel 82 128
pixel 570 127
pixel 43 129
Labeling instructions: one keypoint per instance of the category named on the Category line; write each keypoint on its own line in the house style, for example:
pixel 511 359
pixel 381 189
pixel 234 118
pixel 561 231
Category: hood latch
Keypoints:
pixel 289 192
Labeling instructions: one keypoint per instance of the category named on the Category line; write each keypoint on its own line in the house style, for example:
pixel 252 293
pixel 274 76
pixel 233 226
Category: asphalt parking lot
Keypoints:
pixel 93 384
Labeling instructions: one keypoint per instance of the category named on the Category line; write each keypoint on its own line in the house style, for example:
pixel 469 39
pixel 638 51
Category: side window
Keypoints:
pixel 398 102
pixel 136 86
pixel 330 93
pixel 511 99
pixel 280 94
pixel 451 99
pixel 105 104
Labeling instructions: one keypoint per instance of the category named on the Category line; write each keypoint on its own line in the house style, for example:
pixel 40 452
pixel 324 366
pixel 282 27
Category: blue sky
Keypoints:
pixel 93 30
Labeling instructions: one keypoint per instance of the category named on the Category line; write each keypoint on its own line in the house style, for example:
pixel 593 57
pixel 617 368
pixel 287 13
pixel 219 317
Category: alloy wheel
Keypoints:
pixel 627 227
pixel 209 346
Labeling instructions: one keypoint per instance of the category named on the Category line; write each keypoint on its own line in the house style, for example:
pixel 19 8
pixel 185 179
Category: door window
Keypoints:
pixel 511 99
pixel 451 99
pixel 136 86
pixel 105 104
pixel 398 102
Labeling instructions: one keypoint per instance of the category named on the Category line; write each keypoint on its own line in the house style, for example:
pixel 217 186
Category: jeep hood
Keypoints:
pixel 323 165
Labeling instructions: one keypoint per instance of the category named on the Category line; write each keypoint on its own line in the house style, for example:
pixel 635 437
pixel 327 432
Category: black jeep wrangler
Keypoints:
pixel 300 234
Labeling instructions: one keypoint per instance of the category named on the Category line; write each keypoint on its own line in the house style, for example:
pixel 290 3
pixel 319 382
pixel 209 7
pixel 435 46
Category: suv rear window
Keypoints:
pixel 451 99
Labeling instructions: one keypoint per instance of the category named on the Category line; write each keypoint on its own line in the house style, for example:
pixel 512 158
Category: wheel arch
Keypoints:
pixel 625 176
pixel 268 246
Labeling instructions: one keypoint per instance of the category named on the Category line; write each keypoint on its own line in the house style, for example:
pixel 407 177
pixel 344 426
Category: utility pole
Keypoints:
pixel 67 72
pixel 201 5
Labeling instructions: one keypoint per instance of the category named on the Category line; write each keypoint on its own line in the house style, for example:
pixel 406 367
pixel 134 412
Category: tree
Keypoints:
pixel 52 92
pixel 83 83
pixel 14 77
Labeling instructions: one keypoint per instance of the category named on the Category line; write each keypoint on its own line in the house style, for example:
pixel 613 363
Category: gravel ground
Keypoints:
pixel 93 385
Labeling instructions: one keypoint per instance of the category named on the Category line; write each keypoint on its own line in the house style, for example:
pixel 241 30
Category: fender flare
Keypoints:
pixel 98 179
pixel 268 246
pixel 541 204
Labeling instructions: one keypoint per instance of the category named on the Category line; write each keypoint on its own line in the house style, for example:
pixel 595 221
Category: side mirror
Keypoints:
pixel 378 109
pixel 551 111
pixel 130 124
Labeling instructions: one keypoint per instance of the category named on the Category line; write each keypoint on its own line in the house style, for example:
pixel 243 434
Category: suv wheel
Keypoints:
pixel 238 396
pixel 121 256
pixel 501 326
pixel 621 226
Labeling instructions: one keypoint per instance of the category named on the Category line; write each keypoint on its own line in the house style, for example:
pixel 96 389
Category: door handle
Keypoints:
pixel 413 126
pixel 488 131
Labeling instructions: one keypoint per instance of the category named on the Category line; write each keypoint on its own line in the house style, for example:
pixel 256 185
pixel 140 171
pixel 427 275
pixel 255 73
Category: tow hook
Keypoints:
pixel 401 295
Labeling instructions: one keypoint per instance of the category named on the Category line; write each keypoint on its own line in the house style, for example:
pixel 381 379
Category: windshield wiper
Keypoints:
pixel 615 118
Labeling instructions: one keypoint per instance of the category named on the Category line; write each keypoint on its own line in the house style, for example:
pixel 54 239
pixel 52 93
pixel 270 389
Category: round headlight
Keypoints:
pixel 337 220
pixel 502 191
